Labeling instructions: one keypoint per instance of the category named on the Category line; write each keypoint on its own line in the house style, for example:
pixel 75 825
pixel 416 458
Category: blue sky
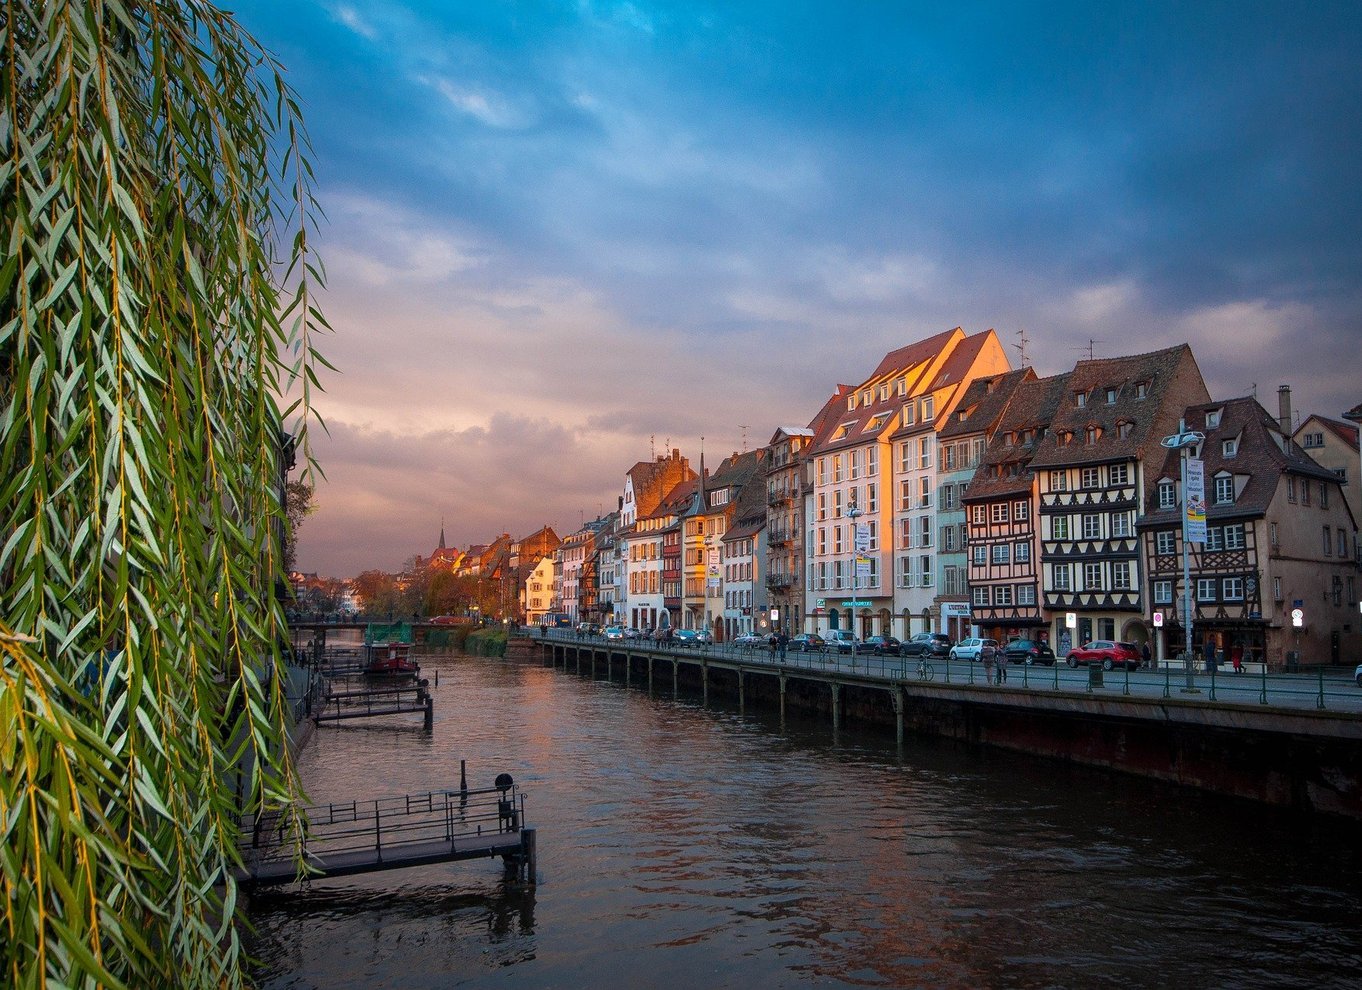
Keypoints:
pixel 561 233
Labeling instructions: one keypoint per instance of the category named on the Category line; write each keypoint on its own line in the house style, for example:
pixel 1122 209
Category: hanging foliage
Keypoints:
pixel 156 314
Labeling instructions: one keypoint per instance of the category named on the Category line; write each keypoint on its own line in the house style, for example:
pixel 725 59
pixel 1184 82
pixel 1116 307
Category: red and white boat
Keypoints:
pixel 391 660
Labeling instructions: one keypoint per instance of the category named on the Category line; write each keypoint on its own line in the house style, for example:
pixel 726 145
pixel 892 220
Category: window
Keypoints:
pixel 1026 594
pixel 837 539
pixel 856 457
pixel 1092 576
pixel 1091 435
pixel 1120 474
pixel 1205 589
pixel 1272 533
pixel 979 555
pixel 1002 595
pixel 1111 396
pixel 836 468
pixel 1090 478
pixel 1165 541
pixel 928 409
pixel 909 414
pixel 1313 440
pixel 905 533
pixel 1121 526
pixel 822 505
pixel 1212 418
pixel 1215 538
pixel 924 451
pixel 1305 492
pixel 1059 481
pixel 1290 489
pixel 1141 390
pixel 1328 541
pixel 1163 592
pixel 1277 589
pixel 874 528
pixel 1224 489
pixel 1000 553
pixel 1234 536
pixel 1021 511
pixel 1232 589
pixel 1323 495
pixel 1080 399
pixel 1167 496
pixel 872 469
pixel 925 571
pixel 980 595
pixel 1060 577
pixel 924 531
pixel 978 515
pixel 999 512
pixel 1059 528
pixel 1120 575
pixel 948 497
pixel 924 495
pixel 1229 447
pixel 1124 428
pixel 1343 548
pixel 1021 552
pixel 1092 527
pixel 948 539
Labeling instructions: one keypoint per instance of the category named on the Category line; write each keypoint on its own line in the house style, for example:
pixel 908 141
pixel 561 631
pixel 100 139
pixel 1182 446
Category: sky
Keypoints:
pixel 560 237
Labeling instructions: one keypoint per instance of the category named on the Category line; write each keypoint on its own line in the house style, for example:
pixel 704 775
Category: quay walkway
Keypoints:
pixel 1293 740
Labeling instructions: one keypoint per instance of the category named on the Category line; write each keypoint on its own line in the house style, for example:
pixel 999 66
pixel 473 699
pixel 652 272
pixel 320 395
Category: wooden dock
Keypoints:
pixel 369 702
pixel 392 833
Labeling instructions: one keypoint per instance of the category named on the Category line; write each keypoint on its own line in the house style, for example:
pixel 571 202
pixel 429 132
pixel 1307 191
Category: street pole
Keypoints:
pixel 1183 441
pixel 853 513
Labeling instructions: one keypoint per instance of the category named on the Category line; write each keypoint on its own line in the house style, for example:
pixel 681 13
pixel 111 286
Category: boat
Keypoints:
pixel 391 660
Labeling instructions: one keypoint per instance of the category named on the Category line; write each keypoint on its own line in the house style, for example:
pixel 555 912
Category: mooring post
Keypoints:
pixel 836 706
pixel 430 711
pixel 628 669
pixel 782 698
pixel 896 696
pixel 740 690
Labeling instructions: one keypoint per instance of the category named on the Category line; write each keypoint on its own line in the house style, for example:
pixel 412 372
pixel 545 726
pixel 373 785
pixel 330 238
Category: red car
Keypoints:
pixel 1108 653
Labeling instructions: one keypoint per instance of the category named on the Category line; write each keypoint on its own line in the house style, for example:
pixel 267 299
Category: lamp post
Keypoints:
pixel 853 513
pixel 1183 441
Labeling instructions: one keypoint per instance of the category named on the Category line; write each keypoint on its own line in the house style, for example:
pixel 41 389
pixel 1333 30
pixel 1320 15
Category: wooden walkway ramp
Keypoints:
pixel 392 833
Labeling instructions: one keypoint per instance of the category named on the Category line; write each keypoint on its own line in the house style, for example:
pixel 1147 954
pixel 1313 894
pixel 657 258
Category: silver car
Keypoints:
pixel 973 649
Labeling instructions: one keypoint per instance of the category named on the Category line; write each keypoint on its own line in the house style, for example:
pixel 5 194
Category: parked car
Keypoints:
pixel 841 640
pixel 882 645
pixel 930 644
pixel 588 629
pixel 614 632
pixel 1108 653
pixel 1357 675
pixel 446 620
pixel 972 648
pixel 692 637
pixel 632 633
pixel 749 639
pixel 1029 651
pixel 807 643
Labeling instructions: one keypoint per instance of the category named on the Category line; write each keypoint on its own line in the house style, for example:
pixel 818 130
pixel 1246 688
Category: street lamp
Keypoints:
pixel 1183 441
pixel 853 513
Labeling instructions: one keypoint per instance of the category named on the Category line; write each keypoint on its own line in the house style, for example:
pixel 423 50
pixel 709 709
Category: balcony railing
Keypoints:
pixel 777 581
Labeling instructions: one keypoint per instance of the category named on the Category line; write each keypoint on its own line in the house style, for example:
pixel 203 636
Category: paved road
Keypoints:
pixel 1336 691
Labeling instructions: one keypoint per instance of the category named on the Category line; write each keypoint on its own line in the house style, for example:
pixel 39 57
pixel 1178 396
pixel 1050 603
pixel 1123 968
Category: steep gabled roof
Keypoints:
pixel 1169 380
pixel 1263 454
pixel 984 402
pixel 1007 469
pixel 1346 432
pixel 914 354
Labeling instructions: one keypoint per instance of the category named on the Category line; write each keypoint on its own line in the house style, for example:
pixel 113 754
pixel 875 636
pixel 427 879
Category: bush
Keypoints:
pixel 485 643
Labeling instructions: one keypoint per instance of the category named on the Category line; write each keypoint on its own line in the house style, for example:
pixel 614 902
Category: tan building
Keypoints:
pixel 1280 541
pixel 1332 444
pixel 786 458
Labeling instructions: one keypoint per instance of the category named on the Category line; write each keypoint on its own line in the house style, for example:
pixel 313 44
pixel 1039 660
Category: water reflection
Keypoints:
pixel 684 845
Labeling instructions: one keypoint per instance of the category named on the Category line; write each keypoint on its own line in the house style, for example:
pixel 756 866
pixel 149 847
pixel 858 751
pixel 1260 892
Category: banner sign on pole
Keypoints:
pixel 1195 499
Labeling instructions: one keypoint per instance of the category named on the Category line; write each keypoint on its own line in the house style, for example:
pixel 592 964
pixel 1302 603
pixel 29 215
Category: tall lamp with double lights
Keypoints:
pixel 1183 441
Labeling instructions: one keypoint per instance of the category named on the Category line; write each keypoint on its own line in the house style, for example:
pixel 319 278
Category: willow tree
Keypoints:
pixel 156 328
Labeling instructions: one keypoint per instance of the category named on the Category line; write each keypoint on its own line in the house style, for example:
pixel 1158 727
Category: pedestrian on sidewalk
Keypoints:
pixel 1208 650
pixel 986 653
pixel 1002 669
pixel 1144 654
pixel 782 641
pixel 1237 658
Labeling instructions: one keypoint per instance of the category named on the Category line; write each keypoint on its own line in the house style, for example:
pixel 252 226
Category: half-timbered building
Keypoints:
pixel 1001 504
pixel 1279 540
pixel 1091 471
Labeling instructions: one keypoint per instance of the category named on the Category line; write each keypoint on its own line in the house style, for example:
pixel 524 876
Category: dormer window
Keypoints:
pixel 884 392
pixel 1212 418
pixel 903 386
pixel 1111 396
pixel 1230 447
pixel 1141 390
pixel 1123 428
pixel 909 414
pixel 867 397
pixel 1167 495
pixel 928 408
pixel 1224 489
pixel 1092 434
pixel 1081 399
pixel 851 402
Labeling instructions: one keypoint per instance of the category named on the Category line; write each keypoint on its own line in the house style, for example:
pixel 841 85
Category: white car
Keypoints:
pixel 972 649
pixel 614 632
pixel 1357 675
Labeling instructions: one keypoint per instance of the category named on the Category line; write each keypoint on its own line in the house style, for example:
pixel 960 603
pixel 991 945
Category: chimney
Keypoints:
pixel 1284 409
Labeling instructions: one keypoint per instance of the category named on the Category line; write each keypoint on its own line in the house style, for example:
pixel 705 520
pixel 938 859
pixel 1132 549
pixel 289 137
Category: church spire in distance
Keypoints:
pixel 442 532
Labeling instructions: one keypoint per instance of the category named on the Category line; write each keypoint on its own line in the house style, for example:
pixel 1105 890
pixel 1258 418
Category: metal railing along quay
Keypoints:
pixel 1331 689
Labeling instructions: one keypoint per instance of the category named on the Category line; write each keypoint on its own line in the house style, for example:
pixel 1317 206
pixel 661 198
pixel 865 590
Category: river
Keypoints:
pixel 690 846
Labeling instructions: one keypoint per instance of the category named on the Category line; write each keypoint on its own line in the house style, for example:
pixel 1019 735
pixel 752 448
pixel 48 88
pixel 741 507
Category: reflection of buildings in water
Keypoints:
pixel 372 932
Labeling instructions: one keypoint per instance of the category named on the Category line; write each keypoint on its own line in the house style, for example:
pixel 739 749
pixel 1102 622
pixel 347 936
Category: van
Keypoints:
pixel 841 640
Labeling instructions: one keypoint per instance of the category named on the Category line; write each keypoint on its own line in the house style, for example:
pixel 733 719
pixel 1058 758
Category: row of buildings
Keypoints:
pixel 950 492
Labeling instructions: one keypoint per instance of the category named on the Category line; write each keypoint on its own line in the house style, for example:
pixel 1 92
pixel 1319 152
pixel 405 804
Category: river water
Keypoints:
pixel 690 846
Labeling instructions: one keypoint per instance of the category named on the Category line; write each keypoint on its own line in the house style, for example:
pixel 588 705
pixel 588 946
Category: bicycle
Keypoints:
pixel 925 671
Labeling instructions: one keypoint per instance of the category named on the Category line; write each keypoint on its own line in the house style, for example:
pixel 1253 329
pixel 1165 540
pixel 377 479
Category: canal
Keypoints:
pixel 690 846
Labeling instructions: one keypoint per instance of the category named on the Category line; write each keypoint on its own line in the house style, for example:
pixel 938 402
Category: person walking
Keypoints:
pixel 782 641
pixel 1002 669
pixel 1144 654
pixel 1208 651
pixel 987 654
